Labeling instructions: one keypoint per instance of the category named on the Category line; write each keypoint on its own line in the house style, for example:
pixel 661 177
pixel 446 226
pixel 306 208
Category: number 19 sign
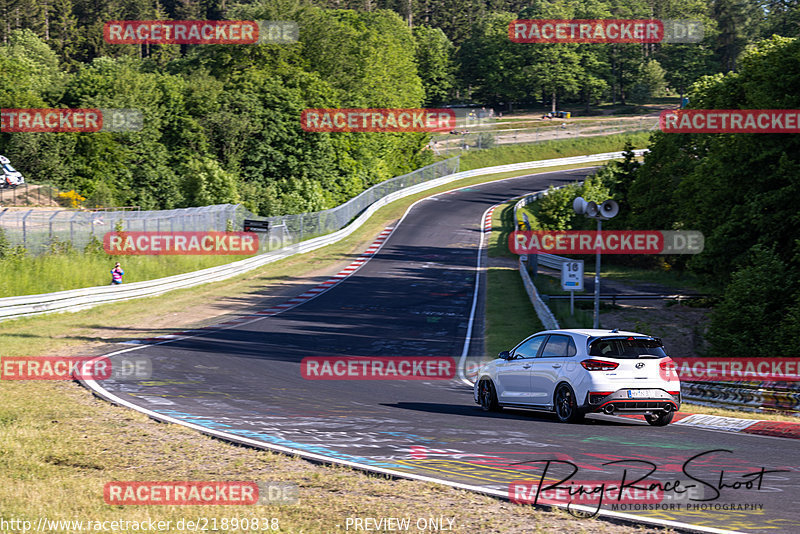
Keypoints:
pixel 572 276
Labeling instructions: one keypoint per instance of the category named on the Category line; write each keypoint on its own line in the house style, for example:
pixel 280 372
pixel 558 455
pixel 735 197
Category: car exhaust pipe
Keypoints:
pixel 608 409
pixel 668 407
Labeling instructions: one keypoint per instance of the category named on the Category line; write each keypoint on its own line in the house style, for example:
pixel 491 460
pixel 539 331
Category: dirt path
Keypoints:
pixel 27 195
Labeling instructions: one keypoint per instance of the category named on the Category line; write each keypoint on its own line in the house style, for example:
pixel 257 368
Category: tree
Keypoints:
pixel 434 56
pixel 782 18
pixel 684 64
pixel 555 70
pixel 757 296
pixel 204 183
pixel 650 83
pixel 493 67
pixel 737 23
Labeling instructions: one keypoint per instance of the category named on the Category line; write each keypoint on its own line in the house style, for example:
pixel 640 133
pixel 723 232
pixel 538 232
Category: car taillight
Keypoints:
pixel 674 392
pixel 598 365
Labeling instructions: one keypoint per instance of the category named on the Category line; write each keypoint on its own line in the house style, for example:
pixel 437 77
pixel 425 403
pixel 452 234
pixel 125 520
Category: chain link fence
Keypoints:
pixel 40 230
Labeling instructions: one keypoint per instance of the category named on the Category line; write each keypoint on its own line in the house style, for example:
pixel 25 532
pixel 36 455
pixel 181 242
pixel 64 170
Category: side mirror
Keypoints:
pixel 505 355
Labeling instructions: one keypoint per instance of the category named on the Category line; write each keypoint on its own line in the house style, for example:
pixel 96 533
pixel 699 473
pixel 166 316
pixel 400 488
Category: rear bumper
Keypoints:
pixel 621 401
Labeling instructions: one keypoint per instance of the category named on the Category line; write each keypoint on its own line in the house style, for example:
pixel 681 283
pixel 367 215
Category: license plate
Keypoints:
pixel 638 393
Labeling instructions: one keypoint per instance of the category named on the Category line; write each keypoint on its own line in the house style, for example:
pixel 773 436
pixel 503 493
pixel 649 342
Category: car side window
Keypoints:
pixel 559 347
pixel 530 348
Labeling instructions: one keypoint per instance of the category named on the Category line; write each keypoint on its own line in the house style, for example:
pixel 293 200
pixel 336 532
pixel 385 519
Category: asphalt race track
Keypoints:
pixel 414 298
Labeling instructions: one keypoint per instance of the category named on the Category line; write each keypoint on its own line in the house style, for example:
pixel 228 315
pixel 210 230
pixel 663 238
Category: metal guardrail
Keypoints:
pixel 542 311
pixel 745 396
pixel 78 299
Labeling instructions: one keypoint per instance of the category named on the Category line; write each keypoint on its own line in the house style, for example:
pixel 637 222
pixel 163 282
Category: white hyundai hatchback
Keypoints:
pixel 575 372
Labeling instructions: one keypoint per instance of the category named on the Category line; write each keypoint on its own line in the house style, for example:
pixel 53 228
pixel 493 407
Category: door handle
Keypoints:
pixel 556 365
pixel 526 366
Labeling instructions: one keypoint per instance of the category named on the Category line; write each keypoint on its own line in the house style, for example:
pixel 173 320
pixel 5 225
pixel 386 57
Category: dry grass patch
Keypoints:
pixel 59 446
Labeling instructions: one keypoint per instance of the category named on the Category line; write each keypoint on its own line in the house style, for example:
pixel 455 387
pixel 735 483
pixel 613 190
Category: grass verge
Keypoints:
pixel 562 148
pixel 48 273
pixel 510 318
pixel 502 226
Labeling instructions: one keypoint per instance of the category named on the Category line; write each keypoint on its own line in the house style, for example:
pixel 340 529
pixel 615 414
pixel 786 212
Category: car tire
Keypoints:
pixel 566 406
pixel 662 419
pixel 488 396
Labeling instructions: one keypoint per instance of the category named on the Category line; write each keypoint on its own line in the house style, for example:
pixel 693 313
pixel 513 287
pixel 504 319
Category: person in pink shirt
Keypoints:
pixel 116 274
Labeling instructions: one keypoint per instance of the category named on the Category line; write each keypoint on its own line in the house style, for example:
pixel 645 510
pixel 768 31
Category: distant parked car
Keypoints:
pixel 11 177
pixel 575 372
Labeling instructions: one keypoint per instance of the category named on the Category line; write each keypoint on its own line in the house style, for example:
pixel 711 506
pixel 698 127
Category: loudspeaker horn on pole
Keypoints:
pixel 592 209
pixel 579 205
pixel 609 209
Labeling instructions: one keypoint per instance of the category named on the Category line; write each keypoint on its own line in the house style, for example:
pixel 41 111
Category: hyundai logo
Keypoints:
pixel 639 365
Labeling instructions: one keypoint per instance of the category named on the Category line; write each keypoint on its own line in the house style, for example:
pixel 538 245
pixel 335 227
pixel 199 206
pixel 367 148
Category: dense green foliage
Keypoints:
pixel 221 121
pixel 739 190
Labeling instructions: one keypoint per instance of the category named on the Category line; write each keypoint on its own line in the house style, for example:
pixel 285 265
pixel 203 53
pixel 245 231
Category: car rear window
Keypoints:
pixel 626 347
